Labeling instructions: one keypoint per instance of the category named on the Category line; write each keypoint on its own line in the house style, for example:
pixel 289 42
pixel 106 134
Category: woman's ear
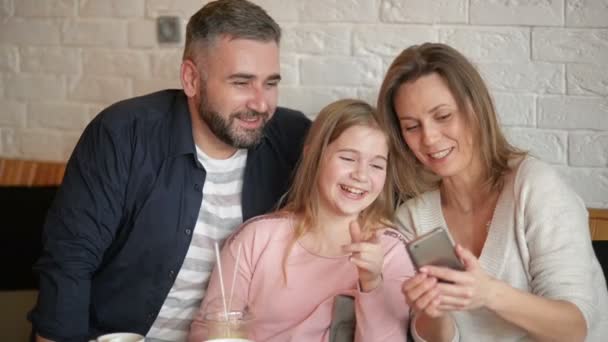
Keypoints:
pixel 190 78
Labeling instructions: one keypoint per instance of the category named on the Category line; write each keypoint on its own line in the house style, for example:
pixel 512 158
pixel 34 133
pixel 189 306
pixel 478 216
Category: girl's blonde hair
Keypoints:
pixel 303 196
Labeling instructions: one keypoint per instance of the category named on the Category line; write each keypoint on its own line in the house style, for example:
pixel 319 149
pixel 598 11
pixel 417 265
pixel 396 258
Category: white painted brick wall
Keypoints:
pixel 587 13
pixel 51 60
pixel 62 61
pixel 588 149
pixel 388 41
pixel 550 146
pixel 13 114
pixel 111 8
pixel 8 58
pixel 516 109
pixel 538 77
pixel 570 45
pixel 569 112
pixel 424 11
pixel 317 40
pixel 95 32
pixel 489 44
pixel 47 8
pixel 6 8
pixel 587 79
pixel 517 12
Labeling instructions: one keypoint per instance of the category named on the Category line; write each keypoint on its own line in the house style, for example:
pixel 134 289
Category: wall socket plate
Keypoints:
pixel 168 29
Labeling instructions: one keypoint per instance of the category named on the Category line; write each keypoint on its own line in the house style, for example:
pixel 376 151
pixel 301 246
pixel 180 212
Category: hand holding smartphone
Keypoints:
pixel 434 248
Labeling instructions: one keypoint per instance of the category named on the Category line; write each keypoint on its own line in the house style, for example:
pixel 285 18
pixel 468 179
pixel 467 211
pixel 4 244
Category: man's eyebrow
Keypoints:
pixel 242 75
pixel 246 76
pixel 274 77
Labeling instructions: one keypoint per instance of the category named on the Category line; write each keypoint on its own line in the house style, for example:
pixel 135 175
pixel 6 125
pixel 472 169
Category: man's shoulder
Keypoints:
pixel 151 106
pixel 287 125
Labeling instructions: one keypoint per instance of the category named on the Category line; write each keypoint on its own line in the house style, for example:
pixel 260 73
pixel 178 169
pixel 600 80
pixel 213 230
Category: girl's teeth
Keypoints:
pixel 351 190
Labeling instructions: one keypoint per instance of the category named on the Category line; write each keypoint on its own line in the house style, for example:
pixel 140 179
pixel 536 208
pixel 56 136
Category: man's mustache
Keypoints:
pixel 249 115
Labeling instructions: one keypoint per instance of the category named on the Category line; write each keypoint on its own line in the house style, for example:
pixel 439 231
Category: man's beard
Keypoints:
pixel 227 130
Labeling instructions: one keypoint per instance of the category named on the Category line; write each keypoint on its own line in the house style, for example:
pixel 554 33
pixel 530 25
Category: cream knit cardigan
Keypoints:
pixel 538 241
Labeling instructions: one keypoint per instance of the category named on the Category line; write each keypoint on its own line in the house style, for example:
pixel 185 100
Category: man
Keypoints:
pixel 154 181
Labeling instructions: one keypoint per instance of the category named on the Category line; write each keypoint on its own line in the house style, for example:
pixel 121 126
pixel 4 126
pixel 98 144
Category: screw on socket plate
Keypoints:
pixel 168 29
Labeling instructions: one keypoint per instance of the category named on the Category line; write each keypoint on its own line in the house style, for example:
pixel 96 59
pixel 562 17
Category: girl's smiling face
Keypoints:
pixel 353 171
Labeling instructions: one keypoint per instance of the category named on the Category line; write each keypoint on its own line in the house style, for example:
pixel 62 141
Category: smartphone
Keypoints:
pixel 434 248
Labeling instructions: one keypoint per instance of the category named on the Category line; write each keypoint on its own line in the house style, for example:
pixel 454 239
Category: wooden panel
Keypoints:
pixel 40 173
pixel 15 172
pixel 598 224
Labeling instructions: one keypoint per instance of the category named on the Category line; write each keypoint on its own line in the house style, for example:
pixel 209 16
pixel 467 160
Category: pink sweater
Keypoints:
pixel 302 310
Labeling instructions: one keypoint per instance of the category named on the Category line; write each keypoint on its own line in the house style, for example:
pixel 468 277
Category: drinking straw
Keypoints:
pixel 236 266
pixel 219 268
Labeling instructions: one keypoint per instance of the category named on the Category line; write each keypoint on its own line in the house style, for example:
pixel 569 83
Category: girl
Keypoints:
pixel 332 238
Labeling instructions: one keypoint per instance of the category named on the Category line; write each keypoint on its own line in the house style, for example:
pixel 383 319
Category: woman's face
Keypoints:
pixel 433 126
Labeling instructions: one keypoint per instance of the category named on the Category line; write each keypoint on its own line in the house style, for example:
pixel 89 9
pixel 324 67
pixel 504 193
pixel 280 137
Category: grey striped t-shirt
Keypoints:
pixel 220 214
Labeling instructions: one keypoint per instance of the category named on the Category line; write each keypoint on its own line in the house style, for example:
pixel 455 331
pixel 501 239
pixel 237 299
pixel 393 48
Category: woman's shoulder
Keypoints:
pixel 530 167
pixel 530 172
pixel 420 214
pixel 423 202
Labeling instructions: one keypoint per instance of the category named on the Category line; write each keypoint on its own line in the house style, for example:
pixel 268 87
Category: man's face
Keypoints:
pixel 238 93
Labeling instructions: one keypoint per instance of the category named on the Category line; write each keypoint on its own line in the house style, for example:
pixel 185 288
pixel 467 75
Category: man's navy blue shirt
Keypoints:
pixel 120 226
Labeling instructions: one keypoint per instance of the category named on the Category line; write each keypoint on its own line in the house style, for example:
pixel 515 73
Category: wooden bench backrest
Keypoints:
pixel 37 173
pixel 598 224
pixel 14 172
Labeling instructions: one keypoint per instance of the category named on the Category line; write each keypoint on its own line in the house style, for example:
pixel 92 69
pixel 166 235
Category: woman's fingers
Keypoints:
pixel 455 303
pixel 428 298
pixel 420 290
pixel 447 274
pixel 455 290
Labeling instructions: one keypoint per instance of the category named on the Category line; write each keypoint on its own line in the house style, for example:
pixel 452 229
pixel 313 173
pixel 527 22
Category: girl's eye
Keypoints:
pixel 347 159
pixel 410 128
pixel 379 167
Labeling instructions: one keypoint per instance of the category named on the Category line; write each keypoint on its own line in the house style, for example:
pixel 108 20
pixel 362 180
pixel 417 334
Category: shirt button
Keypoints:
pixel 188 231
pixel 197 187
pixel 171 273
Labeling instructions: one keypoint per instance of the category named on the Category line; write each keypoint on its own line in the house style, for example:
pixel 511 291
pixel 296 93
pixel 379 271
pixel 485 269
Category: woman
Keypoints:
pixel 331 239
pixel 521 232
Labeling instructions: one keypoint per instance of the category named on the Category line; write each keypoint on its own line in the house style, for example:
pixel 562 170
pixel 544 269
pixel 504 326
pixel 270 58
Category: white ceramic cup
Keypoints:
pixel 121 337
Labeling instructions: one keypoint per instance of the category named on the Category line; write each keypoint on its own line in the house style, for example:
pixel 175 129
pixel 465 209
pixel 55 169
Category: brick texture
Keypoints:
pixel 63 61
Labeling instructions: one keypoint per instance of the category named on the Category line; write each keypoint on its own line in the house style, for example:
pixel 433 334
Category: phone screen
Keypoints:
pixel 434 248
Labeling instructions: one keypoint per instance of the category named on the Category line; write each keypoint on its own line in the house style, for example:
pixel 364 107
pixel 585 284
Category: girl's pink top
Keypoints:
pixel 301 309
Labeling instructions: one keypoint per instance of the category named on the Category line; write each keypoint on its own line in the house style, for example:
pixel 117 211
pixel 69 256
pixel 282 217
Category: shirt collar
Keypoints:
pixel 182 141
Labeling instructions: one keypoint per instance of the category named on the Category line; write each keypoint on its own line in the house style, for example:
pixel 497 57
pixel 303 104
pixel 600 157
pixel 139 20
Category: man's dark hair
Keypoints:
pixel 232 18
